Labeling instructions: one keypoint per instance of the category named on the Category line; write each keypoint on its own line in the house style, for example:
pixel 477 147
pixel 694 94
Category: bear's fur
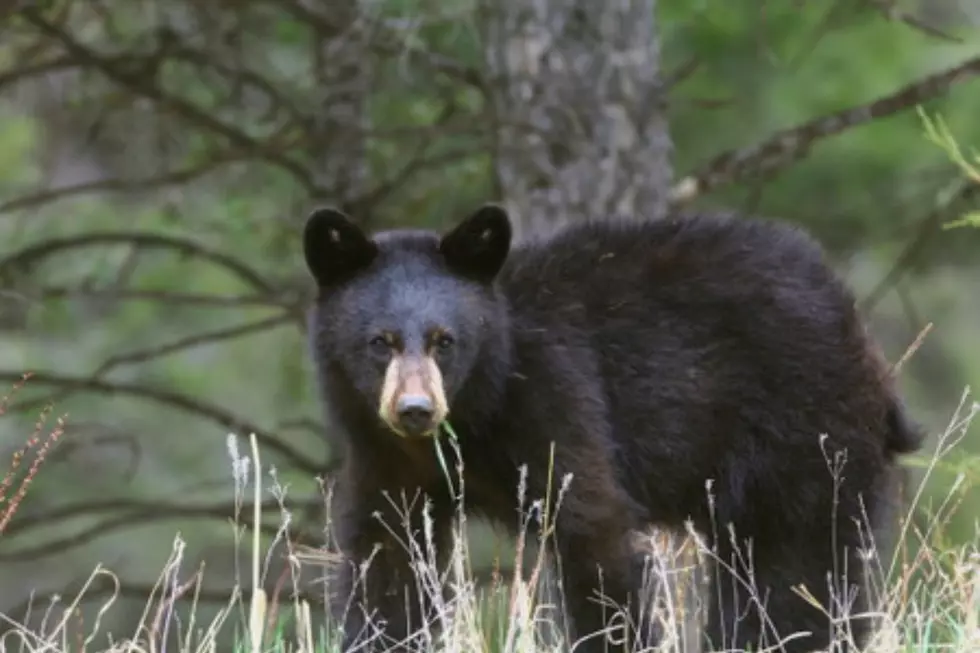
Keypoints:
pixel 667 360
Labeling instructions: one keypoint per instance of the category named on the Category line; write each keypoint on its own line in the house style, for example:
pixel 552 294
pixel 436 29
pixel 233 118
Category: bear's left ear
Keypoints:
pixel 478 246
pixel 335 247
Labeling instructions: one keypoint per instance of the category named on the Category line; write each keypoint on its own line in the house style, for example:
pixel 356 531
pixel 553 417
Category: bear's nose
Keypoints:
pixel 414 414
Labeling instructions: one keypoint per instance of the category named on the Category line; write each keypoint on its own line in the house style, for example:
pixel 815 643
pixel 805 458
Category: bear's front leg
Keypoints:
pixel 602 579
pixel 601 570
pixel 377 598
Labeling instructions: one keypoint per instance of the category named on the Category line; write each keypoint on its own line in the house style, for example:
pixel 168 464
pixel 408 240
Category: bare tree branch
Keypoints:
pixel 142 85
pixel 928 228
pixel 789 145
pixel 144 355
pixel 196 340
pixel 391 43
pixel 39 198
pixel 104 440
pixel 162 296
pixel 418 164
pixel 64 544
pixel 134 512
pixel 891 11
pixel 222 417
pixel 267 87
pixel 31 254
pixel 26 71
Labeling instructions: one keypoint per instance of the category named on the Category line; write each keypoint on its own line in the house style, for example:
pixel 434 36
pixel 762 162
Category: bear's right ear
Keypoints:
pixel 477 247
pixel 335 247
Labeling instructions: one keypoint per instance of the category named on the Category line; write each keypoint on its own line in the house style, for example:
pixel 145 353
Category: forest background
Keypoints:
pixel 158 160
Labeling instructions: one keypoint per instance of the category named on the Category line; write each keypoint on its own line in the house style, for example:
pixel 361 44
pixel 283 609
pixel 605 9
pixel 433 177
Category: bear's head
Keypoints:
pixel 402 319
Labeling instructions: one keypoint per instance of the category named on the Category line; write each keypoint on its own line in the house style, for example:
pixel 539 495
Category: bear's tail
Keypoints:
pixel 905 435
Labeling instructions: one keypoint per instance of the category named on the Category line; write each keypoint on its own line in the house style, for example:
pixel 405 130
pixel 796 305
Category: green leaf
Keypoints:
pixel 971 219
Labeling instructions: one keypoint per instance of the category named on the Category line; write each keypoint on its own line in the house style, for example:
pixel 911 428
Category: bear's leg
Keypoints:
pixel 601 567
pixel 766 573
pixel 375 592
pixel 602 578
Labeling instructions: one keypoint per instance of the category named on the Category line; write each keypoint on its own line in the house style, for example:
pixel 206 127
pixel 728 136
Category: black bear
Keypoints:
pixel 702 369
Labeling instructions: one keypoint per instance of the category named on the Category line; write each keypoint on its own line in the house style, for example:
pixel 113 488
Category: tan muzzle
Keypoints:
pixel 413 399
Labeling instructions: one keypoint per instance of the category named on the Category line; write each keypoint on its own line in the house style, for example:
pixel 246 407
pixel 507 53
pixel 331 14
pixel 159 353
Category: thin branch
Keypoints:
pixel 50 247
pixel 64 544
pixel 892 12
pixel 27 71
pixel 791 144
pixel 929 227
pixel 834 18
pixel 680 74
pixel 391 43
pixel 105 439
pixel 22 70
pixel 221 416
pixel 419 163
pixel 161 296
pixel 141 85
pixel 196 340
pixel 302 423
pixel 143 355
pixel 144 510
pixel 175 177
pixel 265 86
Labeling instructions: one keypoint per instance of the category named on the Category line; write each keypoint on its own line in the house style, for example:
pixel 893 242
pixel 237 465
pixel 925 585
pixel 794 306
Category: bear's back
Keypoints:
pixel 688 263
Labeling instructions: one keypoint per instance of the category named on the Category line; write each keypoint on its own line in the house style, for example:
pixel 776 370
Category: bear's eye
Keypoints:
pixel 444 342
pixel 379 344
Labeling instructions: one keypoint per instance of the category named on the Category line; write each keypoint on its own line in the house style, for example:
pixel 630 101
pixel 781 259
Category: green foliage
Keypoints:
pixel 938 132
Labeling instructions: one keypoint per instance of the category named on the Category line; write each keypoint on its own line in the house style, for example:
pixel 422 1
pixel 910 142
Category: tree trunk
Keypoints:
pixel 342 68
pixel 578 102
pixel 577 96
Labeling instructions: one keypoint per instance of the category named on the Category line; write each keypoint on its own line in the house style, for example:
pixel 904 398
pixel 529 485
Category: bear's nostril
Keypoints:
pixel 414 413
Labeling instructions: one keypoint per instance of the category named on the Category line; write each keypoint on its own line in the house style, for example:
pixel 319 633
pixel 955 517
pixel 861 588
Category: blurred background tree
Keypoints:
pixel 158 159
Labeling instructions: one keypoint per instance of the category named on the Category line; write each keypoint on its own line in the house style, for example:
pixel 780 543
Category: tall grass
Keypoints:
pixel 930 593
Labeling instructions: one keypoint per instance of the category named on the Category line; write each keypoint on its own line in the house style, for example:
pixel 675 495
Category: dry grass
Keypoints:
pixel 37 443
pixel 930 592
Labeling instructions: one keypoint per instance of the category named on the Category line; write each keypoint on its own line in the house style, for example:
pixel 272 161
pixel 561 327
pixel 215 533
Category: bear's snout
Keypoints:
pixel 413 399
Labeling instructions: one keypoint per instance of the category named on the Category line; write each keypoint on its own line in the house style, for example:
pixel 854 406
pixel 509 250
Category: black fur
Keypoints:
pixel 659 357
